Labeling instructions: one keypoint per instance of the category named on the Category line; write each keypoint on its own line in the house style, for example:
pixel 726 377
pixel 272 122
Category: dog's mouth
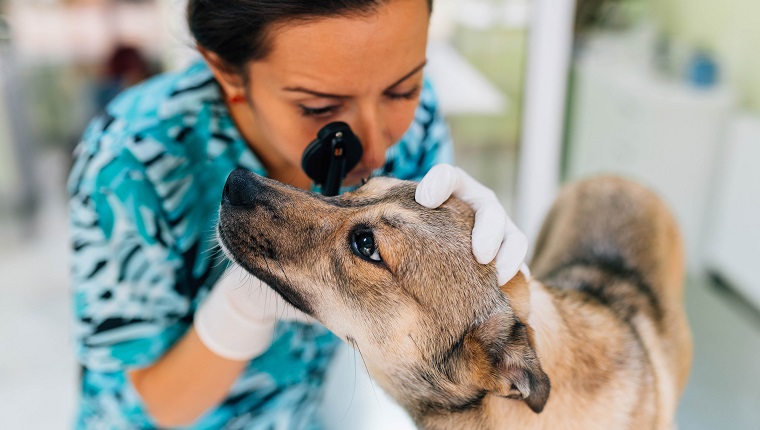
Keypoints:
pixel 267 265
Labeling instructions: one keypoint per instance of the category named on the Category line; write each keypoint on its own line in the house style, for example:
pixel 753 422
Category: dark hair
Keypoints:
pixel 125 59
pixel 237 30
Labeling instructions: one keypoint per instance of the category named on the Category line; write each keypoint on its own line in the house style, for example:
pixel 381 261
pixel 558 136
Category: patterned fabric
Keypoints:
pixel 144 194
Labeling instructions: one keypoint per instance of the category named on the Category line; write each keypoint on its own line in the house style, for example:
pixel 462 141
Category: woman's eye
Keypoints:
pixel 364 244
pixel 409 95
pixel 317 112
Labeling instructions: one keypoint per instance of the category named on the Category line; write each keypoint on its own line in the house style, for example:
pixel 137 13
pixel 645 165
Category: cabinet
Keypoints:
pixel 665 134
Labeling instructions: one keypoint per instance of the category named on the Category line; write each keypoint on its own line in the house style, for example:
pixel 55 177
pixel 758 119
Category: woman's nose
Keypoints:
pixel 375 139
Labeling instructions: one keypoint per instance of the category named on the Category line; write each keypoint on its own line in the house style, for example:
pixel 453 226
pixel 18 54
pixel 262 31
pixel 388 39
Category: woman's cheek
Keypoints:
pixel 401 119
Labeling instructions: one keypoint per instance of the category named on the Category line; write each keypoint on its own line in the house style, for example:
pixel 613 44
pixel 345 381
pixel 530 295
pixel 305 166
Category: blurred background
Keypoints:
pixel 537 92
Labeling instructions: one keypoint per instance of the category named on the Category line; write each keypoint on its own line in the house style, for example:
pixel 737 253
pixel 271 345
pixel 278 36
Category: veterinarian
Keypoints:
pixel 159 344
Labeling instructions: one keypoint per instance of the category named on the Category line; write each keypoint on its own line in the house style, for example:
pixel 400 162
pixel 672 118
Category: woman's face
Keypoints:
pixel 365 71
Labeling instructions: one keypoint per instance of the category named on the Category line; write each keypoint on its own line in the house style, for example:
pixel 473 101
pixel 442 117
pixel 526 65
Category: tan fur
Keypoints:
pixel 596 340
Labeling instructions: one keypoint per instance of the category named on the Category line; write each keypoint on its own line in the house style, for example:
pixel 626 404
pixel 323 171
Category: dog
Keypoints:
pixel 596 339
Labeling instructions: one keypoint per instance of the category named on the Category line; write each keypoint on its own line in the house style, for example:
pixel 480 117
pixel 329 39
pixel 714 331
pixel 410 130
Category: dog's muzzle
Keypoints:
pixel 241 189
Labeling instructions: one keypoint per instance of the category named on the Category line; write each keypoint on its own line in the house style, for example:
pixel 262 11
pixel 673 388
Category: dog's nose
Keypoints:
pixel 241 188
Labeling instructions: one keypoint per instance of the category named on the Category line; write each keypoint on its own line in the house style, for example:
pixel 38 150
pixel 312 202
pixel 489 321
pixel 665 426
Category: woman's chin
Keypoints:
pixel 355 178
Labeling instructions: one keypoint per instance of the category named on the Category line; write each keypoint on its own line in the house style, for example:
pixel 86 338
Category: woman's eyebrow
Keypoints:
pixel 314 93
pixel 409 75
pixel 338 96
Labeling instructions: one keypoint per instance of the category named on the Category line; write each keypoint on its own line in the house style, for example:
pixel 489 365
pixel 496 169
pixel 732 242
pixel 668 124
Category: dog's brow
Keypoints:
pixel 392 221
pixel 353 203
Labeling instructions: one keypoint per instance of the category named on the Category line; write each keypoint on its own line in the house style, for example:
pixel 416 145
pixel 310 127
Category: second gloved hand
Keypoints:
pixel 237 318
pixel 494 234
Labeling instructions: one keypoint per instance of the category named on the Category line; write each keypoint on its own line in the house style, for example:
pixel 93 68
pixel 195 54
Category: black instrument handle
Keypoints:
pixel 337 170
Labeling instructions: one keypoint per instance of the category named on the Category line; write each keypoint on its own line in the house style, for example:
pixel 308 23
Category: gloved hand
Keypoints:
pixel 237 318
pixel 494 234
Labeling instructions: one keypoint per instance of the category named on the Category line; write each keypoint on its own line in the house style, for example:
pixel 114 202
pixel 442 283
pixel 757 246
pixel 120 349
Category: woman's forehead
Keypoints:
pixel 331 53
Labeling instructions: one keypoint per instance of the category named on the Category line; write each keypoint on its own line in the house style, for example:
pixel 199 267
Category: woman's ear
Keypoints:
pixel 230 79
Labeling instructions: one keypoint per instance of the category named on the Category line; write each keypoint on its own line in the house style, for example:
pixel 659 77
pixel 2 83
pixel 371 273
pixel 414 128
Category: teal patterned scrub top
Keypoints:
pixel 144 194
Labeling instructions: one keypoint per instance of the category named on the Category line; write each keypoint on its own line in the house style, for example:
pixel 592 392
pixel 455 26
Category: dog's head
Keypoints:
pixel 396 280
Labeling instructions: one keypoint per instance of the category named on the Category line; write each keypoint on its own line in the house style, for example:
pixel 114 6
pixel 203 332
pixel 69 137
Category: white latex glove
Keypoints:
pixel 238 317
pixel 494 234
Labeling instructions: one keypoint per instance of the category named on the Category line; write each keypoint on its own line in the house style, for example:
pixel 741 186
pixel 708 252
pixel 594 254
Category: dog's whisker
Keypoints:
pixel 266 262
pixel 218 259
pixel 219 262
pixel 289 283
pixel 353 392
pixel 416 345
pixel 212 236
pixel 283 272
pixel 372 384
pixel 314 332
pixel 226 274
pixel 212 250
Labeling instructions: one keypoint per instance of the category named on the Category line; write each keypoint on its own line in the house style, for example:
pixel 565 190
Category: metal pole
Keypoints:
pixel 548 64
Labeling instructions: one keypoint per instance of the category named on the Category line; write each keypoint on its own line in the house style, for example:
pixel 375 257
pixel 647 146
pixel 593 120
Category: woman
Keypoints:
pixel 159 346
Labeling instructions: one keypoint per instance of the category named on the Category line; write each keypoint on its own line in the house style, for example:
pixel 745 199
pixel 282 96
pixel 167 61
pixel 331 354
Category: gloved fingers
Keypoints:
pixel 437 186
pixel 472 192
pixel 489 231
pixel 511 255
pixel 494 235
pixel 444 181
pixel 269 303
pixel 526 271
pixel 254 298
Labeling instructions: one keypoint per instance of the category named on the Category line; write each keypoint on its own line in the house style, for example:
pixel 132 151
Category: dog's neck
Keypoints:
pixel 534 305
pixel 554 332
pixel 548 326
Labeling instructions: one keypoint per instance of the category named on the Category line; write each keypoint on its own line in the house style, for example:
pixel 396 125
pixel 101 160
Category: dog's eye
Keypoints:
pixel 364 245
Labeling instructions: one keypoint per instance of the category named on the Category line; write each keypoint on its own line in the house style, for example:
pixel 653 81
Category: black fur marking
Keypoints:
pixel 438 400
pixel 453 351
pixel 469 404
pixel 393 222
pixel 439 406
pixel 399 195
pixel 284 290
pixel 620 275
pixel 354 203
pixel 287 292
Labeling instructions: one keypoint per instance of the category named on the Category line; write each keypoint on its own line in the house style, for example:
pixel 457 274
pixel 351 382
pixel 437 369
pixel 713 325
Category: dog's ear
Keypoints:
pixel 518 292
pixel 516 372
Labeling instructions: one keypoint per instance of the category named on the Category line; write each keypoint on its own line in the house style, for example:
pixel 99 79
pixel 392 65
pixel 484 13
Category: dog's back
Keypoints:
pixel 612 242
